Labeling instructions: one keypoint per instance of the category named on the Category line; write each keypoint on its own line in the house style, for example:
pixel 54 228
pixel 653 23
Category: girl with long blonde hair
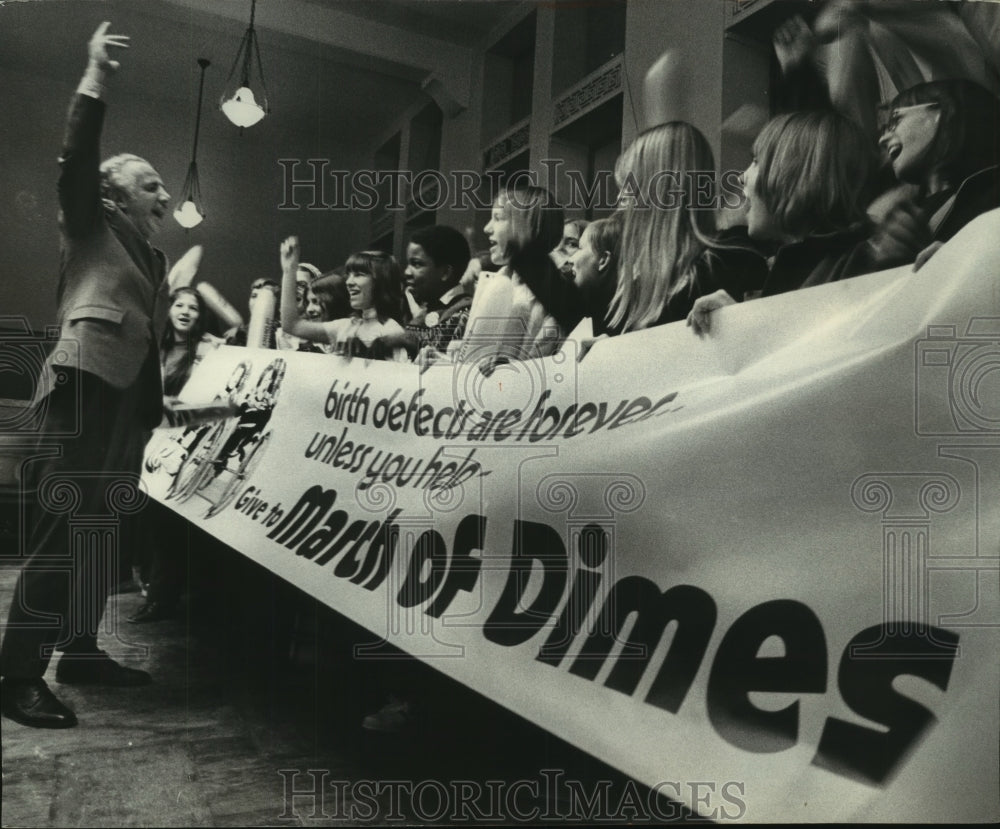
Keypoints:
pixel 671 251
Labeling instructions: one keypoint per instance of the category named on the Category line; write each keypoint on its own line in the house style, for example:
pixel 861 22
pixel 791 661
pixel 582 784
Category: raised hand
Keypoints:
pixel 793 42
pixel 100 42
pixel 184 271
pixel 290 254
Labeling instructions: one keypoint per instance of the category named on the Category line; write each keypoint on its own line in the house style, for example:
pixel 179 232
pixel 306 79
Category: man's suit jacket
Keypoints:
pixel 111 279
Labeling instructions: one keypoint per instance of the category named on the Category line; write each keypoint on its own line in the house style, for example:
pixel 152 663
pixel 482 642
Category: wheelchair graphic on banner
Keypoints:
pixel 212 460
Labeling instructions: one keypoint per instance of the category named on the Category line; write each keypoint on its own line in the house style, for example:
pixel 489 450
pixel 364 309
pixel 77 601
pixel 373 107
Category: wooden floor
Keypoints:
pixel 252 682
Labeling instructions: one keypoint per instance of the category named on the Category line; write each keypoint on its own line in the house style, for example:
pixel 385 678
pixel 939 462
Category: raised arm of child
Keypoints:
pixel 291 322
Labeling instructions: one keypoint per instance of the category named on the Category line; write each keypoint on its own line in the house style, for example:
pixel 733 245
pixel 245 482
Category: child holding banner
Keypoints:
pixel 671 251
pixel 595 274
pixel 185 339
pixel 436 259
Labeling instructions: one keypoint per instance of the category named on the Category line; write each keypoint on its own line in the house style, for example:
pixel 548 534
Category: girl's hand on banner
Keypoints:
pixel 587 344
pixel 429 356
pixel 926 254
pixel 700 317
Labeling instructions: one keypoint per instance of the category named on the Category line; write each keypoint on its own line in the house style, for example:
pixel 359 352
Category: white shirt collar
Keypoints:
pixel 451 293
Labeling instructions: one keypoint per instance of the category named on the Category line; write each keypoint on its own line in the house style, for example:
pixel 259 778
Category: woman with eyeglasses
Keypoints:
pixel 942 138
pixel 374 287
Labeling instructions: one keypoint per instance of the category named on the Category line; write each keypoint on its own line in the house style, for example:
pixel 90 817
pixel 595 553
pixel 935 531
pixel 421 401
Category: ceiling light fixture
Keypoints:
pixel 239 103
pixel 189 212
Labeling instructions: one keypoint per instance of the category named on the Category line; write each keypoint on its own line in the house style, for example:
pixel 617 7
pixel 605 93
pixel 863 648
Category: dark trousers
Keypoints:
pixel 86 496
pixel 166 547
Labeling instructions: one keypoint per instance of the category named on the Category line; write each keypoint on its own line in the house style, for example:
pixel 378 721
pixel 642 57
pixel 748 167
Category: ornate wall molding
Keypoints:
pixel 507 145
pixel 591 92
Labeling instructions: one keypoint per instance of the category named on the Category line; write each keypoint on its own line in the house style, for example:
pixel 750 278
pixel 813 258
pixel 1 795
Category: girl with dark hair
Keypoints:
pixel 374 288
pixel 184 340
pixel 160 571
pixel 941 137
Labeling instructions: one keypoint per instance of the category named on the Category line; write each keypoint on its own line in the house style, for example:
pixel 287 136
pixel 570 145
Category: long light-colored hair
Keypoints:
pixel 536 227
pixel 536 222
pixel 669 220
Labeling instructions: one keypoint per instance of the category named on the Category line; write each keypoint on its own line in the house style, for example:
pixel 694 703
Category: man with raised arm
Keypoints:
pixel 95 415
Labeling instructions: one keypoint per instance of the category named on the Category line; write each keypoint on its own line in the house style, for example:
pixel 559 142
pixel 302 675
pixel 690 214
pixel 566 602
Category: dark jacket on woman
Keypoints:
pixel 821 258
pixel 739 268
pixel 979 193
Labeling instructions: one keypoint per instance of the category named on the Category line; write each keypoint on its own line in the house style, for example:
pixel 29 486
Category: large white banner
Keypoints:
pixel 759 571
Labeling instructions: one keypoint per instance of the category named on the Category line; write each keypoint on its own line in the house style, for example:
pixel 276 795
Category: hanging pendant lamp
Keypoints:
pixel 190 212
pixel 239 103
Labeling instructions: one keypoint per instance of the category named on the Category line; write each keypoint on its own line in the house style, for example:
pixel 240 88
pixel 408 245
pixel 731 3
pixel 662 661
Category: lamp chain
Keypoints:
pixel 251 39
pixel 203 63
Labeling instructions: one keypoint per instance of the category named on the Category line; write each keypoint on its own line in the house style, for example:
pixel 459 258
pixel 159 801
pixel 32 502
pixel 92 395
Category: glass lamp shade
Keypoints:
pixel 188 215
pixel 242 109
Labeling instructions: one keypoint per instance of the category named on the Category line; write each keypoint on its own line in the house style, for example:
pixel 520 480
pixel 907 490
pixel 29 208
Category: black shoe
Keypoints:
pixel 31 703
pixel 152 612
pixel 98 668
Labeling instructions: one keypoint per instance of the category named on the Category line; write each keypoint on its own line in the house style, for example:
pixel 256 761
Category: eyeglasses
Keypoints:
pixel 889 119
